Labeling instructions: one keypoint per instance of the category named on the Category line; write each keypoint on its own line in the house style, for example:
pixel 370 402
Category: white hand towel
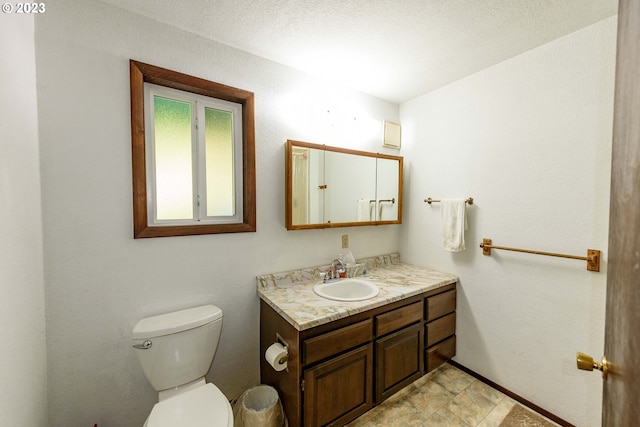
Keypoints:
pixel 454 223
pixel 364 210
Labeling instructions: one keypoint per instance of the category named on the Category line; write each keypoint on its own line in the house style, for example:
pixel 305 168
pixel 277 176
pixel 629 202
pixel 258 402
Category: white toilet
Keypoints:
pixel 175 351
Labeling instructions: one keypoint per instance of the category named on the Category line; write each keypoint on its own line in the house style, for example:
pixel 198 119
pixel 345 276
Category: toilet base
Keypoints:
pixel 203 406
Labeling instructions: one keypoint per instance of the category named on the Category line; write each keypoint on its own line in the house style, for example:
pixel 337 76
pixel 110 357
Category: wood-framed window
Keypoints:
pixel 193 155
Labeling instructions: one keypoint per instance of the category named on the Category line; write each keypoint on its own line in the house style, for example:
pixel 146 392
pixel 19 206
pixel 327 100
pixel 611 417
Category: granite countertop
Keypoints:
pixel 291 293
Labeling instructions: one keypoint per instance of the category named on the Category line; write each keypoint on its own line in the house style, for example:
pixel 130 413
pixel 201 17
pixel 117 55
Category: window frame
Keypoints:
pixel 141 73
pixel 199 183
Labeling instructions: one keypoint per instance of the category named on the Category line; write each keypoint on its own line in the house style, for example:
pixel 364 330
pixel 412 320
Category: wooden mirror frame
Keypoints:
pixel 289 188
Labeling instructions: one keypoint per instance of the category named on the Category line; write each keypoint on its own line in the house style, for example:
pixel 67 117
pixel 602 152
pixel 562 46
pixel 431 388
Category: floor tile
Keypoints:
pixel 446 397
pixel 399 413
pixel 498 413
pixel 452 379
pixel 430 397
pixel 471 406
pixel 446 418
pixel 486 390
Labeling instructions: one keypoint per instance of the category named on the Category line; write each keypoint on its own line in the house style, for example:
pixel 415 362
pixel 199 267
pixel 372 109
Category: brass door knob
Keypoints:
pixel 586 363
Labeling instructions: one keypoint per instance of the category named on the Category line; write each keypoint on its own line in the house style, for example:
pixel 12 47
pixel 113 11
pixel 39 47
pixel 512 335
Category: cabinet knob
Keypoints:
pixel 586 363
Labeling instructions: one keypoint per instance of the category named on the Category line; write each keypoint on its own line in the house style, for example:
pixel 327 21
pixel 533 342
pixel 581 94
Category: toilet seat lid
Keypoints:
pixel 203 406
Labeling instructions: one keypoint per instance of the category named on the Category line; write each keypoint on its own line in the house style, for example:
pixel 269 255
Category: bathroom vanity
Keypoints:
pixel 346 357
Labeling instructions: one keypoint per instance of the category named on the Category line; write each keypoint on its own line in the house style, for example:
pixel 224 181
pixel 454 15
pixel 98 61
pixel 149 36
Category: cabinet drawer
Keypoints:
pixel 440 353
pixel 398 318
pixel 334 342
pixel 440 329
pixel 441 304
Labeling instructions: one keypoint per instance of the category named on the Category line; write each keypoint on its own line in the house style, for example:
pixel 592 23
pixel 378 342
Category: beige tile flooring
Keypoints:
pixel 446 397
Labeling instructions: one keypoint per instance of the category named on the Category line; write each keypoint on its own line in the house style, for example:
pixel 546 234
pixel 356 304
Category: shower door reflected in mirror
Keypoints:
pixel 307 203
pixel 335 187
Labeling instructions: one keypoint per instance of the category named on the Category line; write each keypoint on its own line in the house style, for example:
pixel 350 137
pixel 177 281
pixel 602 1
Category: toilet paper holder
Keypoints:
pixel 285 345
pixel 277 354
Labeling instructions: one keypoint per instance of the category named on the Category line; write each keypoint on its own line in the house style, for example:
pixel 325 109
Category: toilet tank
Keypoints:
pixel 182 345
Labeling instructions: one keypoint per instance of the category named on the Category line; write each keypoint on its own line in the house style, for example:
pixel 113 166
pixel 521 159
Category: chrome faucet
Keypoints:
pixel 335 269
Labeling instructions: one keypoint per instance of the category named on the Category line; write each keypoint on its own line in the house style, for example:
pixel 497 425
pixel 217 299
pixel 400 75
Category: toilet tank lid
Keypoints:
pixel 177 321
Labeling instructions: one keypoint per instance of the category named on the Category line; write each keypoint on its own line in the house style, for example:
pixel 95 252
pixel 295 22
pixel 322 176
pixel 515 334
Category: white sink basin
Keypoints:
pixel 347 290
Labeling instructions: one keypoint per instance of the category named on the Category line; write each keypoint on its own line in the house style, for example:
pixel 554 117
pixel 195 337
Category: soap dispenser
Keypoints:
pixel 342 271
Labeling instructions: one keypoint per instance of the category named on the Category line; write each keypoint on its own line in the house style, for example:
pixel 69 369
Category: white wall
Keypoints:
pixel 529 139
pixel 22 359
pixel 100 280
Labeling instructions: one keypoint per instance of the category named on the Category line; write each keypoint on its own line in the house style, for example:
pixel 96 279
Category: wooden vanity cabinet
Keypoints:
pixel 339 370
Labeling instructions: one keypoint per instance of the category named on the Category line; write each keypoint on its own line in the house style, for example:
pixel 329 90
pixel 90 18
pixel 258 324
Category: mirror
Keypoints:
pixel 337 187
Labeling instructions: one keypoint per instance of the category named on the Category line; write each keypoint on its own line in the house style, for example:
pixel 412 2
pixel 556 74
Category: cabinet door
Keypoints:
pixel 339 390
pixel 399 360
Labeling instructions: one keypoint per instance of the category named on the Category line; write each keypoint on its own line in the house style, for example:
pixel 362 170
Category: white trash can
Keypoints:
pixel 259 406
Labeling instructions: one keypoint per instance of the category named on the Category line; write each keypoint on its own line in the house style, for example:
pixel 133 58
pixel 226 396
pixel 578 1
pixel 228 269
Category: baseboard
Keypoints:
pixel 512 395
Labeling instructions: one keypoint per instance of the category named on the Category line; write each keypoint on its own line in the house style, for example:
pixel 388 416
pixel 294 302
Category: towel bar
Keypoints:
pixel 430 200
pixel 592 258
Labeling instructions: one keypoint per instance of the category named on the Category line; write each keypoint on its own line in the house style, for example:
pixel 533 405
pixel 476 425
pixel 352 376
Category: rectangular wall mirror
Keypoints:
pixel 338 187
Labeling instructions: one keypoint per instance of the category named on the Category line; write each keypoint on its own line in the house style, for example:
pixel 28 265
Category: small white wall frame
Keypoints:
pixel 391 135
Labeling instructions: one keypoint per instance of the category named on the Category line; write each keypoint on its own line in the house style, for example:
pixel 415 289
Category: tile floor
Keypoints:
pixel 446 397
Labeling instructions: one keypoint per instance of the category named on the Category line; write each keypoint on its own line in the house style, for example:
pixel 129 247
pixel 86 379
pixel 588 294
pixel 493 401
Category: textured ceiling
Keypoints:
pixel 393 49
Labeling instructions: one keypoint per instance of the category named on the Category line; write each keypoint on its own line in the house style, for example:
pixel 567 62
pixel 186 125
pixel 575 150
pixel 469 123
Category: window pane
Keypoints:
pixel 219 162
pixel 174 177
